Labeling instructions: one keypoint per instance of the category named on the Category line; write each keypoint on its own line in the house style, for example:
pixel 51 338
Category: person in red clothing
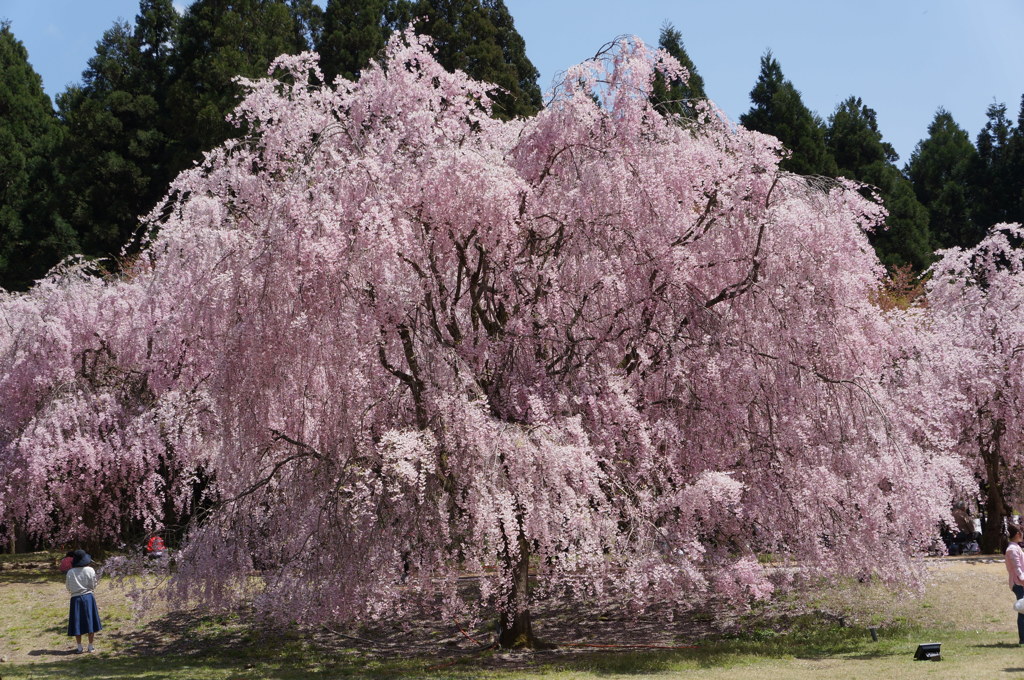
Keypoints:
pixel 155 547
pixel 1015 568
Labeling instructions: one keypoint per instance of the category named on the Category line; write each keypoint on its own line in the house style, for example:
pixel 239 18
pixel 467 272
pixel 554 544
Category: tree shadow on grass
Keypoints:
pixel 714 653
pixel 642 663
pixel 236 642
pixel 24 576
pixel 185 644
pixel 997 645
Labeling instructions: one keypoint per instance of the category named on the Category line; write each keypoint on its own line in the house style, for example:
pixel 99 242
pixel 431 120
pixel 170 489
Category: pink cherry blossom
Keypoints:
pixel 385 339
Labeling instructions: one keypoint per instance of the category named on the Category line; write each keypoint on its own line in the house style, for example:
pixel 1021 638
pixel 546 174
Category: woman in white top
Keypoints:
pixel 84 615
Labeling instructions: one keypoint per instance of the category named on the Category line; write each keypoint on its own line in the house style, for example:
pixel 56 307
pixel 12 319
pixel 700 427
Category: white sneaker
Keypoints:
pixel 78 650
pixel 91 648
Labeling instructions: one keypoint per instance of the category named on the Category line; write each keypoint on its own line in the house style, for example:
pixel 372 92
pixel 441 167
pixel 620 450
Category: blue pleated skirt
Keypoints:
pixel 84 615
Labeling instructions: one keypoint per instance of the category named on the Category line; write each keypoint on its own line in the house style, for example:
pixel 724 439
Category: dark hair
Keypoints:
pixel 1012 529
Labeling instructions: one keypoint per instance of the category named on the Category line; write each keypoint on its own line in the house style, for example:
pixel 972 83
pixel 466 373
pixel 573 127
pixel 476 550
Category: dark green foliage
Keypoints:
pixel 778 110
pixel 219 40
pixel 354 32
pixel 115 158
pixel 155 96
pixel 1014 170
pixel 997 176
pixel 156 32
pixel 1015 167
pixel 677 97
pixel 853 138
pixel 33 236
pixel 308 20
pixel 475 36
pixel 939 169
pixel 854 141
pixel 480 38
pixel 906 238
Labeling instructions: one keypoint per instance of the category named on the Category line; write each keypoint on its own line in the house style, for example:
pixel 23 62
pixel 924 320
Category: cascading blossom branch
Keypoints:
pixel 622 352
pixel 98 438
pixel 975 320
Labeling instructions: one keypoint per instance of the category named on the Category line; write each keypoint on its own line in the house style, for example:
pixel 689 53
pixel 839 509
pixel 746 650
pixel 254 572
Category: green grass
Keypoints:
pixel 965 606
pixel 27 558
pixel 829 654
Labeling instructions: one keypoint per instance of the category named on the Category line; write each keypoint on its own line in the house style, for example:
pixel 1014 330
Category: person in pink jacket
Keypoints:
pixel 1015 568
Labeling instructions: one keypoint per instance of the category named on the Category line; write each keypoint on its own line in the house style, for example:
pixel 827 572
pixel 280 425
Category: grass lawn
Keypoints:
pixel 966 606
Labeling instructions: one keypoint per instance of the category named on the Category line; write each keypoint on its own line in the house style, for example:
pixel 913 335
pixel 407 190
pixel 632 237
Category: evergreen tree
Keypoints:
pixel 309 22
pixel 855 142
pixel 480 38
pixel 779 110
pixel 906 238
pixel 994 196
pixel 115 156
pixel 939 168
pixel 354 32
pixel 156 31
pixel 33 236
pixel 1015 168
pixel 476 36
pixel 219 40
pixel 677 97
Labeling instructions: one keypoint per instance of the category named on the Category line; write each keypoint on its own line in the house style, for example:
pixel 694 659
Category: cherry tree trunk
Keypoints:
pixel 515 630
pixel 20 542
pixel 995 505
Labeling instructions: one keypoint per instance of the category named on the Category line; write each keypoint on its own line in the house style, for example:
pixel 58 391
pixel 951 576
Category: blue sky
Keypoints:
pixel 904 58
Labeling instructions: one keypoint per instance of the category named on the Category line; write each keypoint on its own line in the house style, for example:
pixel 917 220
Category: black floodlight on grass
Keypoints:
pixel 929 651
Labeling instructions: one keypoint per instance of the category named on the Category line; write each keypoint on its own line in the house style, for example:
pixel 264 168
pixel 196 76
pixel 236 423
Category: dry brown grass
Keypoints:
pixel 960 593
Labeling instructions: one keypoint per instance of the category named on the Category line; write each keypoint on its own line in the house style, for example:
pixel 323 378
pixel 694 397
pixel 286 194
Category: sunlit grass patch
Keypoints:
pixel 815 635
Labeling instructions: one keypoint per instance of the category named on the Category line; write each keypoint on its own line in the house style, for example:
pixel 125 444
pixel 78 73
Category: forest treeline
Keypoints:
pixel 76 174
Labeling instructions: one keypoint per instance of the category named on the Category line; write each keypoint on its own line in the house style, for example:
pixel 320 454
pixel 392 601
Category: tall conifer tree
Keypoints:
pixel 677 97
pixel 480 38
pixel 475 36
pixel 308 18
pixel 219 40
pixel 855 142
pixel 779 110
pixel 1015 169
pixel 33 236
pixel 939 168
pixel 116 154
pixel 355 31
pixel 997 178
